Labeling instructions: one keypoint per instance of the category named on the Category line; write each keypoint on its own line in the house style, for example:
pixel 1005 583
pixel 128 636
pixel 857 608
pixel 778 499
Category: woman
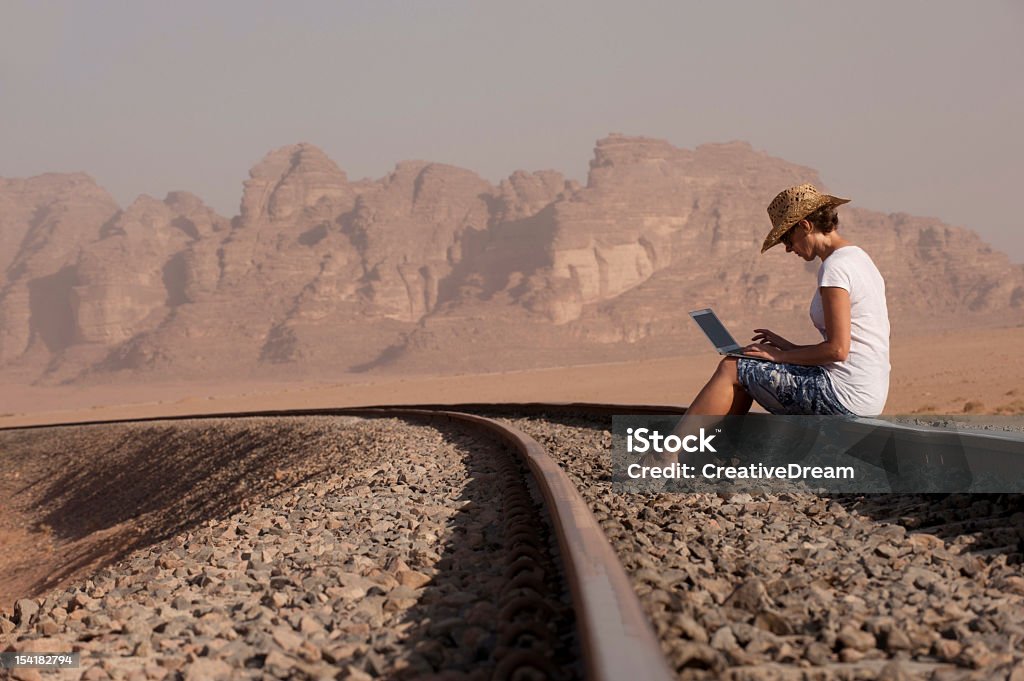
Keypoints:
pixel 847 373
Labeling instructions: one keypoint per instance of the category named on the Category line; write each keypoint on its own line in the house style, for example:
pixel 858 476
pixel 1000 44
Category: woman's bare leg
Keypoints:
pixel 722 394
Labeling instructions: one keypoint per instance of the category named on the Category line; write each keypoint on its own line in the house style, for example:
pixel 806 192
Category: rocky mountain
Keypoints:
pixel 44 223
pixel 432 268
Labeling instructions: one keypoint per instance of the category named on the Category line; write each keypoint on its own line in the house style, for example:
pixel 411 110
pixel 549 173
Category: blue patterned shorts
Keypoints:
pixel 790 388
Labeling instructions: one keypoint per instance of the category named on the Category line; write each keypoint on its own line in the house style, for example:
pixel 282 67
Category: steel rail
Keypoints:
pixel 615 635
pixel 902 450
pixel 523 407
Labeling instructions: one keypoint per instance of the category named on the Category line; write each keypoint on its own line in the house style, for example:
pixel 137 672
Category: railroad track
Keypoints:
pixel 612 632
pixel 709 603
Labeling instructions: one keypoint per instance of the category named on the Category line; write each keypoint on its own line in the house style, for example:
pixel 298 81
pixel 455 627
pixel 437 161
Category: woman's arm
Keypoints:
pixel 835 302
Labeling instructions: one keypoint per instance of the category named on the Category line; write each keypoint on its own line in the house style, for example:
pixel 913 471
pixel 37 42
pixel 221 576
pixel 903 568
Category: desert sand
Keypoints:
pixel 949 373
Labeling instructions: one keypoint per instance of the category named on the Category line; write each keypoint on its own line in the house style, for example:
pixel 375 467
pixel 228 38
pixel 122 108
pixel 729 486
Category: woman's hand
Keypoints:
pixel 771 338
pixel 764 351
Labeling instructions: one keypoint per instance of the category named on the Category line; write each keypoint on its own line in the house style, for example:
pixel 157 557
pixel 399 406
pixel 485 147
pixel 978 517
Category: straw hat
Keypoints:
pixel 793 205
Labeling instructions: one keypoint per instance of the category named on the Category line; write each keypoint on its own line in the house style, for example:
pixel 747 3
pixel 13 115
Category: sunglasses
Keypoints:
pixel 787 238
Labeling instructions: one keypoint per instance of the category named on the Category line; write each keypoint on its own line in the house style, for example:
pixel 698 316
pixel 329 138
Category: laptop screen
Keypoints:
pixel 714 329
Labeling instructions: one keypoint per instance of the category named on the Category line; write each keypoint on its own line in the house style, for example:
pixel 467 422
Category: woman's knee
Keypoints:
pixel 727 369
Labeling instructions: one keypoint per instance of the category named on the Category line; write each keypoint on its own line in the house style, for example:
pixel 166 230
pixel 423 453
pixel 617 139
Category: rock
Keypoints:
pixel 719 589
pixel 887 550
pixel 203 669
pixel 47 627
pixel 925 542
pixel 281 582
pixel 287 638
pixel 336 653
pixel 46 220
pixel 80 600
pixel 689 628
pixel 308 625
pixel 750 596
pixel 26 674
pixel 818 653
pixel 1013 584
pixel 724 639
pixel 947 649
pixel 412 579
pixel 351 592
pixel 24 610
pixel 896 671
pixel 975 655
pixel 774 622
pixel 95 673
pixel 288 181
pixel 897 639
pixel 689 654
pixel 920 577
pixel 856 639
pixel 128 280
pixel 278 663
pixel 352 673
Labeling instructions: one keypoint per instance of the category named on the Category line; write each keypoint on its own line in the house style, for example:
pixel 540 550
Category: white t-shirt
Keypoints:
pixel 862 380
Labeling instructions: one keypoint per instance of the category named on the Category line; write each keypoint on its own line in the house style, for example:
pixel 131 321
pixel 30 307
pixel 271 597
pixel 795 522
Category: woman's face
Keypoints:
pixel 798 241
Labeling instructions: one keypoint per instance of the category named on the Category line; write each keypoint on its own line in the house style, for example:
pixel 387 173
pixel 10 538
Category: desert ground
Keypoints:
pixel 949 373
pixel 73 500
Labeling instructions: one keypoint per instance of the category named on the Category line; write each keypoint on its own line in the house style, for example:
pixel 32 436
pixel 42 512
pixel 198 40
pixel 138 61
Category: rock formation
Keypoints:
pixel 433 268
pixel 45 222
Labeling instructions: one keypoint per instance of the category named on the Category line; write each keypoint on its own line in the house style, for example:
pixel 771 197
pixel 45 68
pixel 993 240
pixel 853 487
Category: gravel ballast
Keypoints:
pixel 798 586
pixel 355 549
pixel 343 548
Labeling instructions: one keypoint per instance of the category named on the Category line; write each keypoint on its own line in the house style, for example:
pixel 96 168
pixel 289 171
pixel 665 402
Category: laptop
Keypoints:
pixel 719 336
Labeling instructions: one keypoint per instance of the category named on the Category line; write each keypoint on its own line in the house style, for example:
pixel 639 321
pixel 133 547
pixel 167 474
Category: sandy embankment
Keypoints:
pixel 76 498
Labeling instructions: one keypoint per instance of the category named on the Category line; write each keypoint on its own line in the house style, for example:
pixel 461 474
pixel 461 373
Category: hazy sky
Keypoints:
pixel 903 105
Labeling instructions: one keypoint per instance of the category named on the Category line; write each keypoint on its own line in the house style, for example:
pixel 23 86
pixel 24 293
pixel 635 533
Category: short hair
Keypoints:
pixel 824 219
